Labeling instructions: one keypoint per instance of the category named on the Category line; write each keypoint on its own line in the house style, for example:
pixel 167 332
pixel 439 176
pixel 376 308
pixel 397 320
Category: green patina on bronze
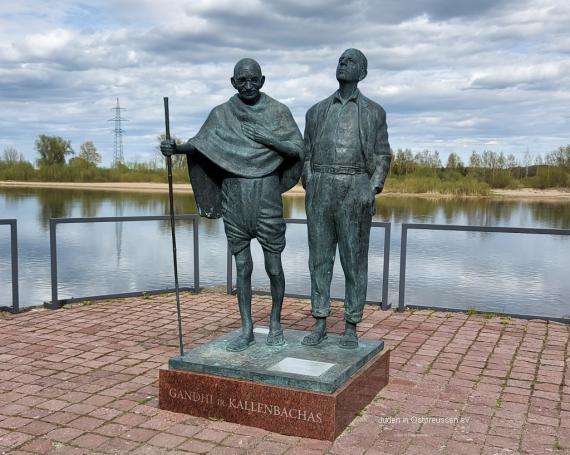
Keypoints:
pixel 248 152
pixel 254 363
pixel 347 158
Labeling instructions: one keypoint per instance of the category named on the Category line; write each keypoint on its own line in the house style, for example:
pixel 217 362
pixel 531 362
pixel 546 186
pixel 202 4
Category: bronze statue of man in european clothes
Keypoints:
pixel 347 158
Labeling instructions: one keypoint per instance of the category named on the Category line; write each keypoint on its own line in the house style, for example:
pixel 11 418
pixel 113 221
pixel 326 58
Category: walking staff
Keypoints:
pixel 172 226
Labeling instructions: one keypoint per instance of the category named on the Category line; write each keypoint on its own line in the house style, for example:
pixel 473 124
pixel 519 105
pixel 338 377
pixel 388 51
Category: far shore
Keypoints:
pixel 521 193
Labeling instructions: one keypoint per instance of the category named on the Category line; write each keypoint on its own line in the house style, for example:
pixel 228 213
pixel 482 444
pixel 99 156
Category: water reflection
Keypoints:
pixel 475 211
pixel 119 231
pixel 502 272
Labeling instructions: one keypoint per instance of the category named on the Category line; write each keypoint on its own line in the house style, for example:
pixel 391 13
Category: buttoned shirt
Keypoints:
pixel 339 143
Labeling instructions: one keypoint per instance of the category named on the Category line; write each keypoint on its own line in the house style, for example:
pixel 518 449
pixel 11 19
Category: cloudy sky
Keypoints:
pixel 453 75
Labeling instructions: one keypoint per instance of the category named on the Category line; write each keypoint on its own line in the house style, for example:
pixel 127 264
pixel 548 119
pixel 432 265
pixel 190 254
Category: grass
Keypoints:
pixel 136 172
pixel 466 186
pixel 423 181
pixel 146 400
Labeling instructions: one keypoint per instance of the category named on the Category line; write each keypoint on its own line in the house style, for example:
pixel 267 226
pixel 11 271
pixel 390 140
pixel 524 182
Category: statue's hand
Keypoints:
pixel 375 190
pixel 168 148
pixel 306 175
pixel 257 133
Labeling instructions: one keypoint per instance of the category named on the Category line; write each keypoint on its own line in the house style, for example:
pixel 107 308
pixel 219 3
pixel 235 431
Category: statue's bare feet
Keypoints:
pixel 349 340
pixel 275 337
pixel 241 343
pixel 318 334
pixel 314 338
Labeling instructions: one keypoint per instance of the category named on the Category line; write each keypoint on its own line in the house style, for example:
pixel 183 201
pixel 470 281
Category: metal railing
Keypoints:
pixel 385 273
pixel 56 302
pixel 443 227
pixel 53 222
pixel 14 259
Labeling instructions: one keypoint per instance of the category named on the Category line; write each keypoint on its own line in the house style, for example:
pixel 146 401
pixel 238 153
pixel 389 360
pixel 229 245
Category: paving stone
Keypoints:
pixel 86 423
pixel 270 448
pixel 211 435
pixel 38 428
pixel 166 440
pixel 112 429
pixel 196 446
pixel 38 446
pixel 130 419
pixel 53 405
pixel 183 429
pixel 139 434
pixel 13 439
pixel 118 446
pixel 64 434
pixel 90 386
pixel 89 441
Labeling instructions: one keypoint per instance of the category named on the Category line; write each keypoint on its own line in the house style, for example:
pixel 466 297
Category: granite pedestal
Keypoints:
pixel 312 392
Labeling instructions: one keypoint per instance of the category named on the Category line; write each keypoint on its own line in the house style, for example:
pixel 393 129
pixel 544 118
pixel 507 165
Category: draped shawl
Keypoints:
pixel 224 148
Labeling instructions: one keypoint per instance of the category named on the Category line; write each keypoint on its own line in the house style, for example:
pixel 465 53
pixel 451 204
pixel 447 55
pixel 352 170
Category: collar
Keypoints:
pixel 353 97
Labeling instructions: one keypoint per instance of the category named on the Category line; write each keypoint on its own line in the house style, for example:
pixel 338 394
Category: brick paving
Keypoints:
pixel 84 379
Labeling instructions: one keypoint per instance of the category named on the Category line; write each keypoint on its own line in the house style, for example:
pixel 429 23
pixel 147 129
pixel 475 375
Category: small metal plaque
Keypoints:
pixel 263 330
pixel 301 366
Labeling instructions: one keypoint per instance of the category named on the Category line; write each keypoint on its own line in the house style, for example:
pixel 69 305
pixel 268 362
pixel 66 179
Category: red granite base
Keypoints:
pixel 280 409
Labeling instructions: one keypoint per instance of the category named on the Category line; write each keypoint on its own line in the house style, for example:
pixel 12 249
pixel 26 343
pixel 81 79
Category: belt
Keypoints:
pixel 335 169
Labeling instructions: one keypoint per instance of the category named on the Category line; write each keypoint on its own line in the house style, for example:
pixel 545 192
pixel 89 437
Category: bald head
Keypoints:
pixel 247 64
pixel 248 80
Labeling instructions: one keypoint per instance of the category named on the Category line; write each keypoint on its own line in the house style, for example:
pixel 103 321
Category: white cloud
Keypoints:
pixel 453 76
pixel 515 76
pixel 46 45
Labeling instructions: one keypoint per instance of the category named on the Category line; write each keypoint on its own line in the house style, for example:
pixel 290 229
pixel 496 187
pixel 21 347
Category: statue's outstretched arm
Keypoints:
pixel 170 147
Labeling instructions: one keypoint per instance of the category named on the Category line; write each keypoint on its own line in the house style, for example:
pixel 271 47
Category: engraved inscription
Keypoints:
pixel 247 406
pixel 273 409
pixel 192 396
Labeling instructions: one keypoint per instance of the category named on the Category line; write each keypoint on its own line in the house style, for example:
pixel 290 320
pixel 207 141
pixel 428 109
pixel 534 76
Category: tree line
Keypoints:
pixel 498 170
pixel 52 151
pixel 410 172
pixel 57 161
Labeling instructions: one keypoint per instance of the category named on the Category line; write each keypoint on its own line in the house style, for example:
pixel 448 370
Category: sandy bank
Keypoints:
pixel 533 193
pixel 522 193
pixel 114 186
pixel 106 186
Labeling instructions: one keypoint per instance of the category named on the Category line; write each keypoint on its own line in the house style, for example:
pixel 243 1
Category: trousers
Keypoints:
pixel 339 211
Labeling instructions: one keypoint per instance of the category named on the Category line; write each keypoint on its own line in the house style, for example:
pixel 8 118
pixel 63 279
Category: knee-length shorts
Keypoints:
pixel 253 208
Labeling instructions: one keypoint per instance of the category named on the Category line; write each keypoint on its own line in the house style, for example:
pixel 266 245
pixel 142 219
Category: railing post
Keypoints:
pixel 403 252
pixel 229 272
pixel 54 304
pixel 385 277
pixel 14 255
pixel 195 223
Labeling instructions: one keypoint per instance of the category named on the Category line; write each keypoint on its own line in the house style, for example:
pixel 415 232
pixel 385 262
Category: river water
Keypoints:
pixel 507 273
